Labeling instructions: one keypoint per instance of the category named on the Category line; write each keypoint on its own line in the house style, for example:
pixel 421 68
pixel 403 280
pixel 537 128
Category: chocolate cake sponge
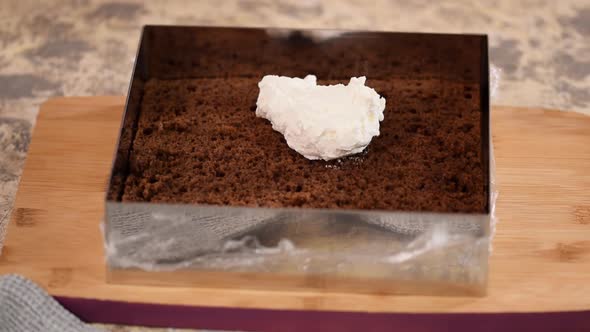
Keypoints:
pixel 199 141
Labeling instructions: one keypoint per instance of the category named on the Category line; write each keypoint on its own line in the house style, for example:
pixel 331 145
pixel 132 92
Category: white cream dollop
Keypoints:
pixel 321 121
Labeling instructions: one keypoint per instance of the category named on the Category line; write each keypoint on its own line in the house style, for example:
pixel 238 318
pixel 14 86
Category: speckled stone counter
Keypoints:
pixel 86 47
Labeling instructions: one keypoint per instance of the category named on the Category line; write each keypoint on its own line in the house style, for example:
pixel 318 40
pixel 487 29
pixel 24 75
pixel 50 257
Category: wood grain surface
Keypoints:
pixel 540 262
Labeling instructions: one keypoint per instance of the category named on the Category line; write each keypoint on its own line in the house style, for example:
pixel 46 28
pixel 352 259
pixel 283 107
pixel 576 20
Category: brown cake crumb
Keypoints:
pixel 199 141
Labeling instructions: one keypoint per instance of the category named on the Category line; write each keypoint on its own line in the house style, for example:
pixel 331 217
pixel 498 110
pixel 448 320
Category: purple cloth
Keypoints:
pixel 112 312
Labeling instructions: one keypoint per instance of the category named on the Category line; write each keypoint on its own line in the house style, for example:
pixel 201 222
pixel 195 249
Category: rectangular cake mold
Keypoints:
pixel 351 249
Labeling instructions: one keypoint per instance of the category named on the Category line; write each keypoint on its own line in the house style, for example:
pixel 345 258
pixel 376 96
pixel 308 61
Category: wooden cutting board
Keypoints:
pixel 541 258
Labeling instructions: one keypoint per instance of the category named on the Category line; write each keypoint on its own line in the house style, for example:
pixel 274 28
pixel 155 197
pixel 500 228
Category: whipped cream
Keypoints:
pixel 321 121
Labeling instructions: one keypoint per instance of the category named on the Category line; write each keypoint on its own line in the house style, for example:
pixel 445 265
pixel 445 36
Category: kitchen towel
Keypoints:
pixel 25 307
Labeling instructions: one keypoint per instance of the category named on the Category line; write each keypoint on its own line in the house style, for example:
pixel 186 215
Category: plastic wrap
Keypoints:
pixel 398 252
pixel 438 249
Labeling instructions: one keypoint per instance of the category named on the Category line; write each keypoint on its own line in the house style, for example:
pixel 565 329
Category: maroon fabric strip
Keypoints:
pixel 263 320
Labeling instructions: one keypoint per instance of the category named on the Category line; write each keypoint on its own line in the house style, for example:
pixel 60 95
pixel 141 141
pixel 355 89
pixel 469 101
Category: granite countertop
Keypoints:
pixel 86 47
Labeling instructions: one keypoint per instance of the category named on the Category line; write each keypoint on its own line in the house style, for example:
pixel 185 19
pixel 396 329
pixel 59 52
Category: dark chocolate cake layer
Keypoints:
pixel 199 141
